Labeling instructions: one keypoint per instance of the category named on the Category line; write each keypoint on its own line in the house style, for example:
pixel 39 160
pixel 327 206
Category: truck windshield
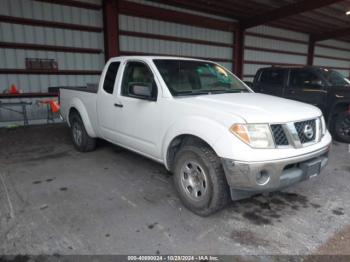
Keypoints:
pixel 334 77
pixel 187 77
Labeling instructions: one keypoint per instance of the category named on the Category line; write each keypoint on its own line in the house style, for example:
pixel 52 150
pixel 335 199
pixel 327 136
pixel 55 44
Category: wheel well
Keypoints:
pixel 72 111
pixel 179 142
pixel 338 108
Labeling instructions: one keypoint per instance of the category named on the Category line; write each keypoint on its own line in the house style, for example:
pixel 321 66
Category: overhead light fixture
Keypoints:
pixel 347 12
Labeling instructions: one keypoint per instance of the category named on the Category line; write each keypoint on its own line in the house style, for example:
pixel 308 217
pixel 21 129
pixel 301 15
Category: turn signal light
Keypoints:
pixel 241 132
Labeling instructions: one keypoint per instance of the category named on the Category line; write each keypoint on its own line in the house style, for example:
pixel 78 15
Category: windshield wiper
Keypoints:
pixel 192 92
pixel 209 91
pixel 229 91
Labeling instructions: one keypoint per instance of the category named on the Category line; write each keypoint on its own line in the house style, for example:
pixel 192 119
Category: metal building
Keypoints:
pixel 52 43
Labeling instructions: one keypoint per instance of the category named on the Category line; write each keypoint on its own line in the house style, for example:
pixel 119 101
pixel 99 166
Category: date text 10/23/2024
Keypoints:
pixel 173 258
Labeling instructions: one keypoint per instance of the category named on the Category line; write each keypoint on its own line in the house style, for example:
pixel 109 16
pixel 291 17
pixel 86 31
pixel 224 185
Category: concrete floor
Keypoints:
pixel 111 201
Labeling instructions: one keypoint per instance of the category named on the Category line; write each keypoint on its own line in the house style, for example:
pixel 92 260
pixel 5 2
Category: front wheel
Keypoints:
pixel 342 127
pixel 81 140
pixel 200 180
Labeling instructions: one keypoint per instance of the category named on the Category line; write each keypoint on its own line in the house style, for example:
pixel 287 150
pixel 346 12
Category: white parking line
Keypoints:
pixel 128 201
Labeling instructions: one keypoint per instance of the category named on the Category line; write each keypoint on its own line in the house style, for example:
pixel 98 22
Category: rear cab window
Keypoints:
pixel 110 77
pixel 272 77
pixel 305 78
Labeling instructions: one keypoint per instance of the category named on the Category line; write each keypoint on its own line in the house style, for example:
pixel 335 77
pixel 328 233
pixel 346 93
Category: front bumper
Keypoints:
pixel 249 178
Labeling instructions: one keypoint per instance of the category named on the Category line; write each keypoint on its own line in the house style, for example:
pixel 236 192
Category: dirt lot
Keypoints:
pixel 54 200
pixel 339 244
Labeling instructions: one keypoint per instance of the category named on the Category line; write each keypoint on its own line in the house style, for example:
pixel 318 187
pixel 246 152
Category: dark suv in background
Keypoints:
pixel 322 87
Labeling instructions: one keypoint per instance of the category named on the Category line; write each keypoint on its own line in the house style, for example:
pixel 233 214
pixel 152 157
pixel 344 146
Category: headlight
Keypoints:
pixel 255 135
pixel 323 126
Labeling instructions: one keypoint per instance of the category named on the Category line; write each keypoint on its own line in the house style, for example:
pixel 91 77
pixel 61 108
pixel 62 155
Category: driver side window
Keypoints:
pixel 305 79
pixel 137 74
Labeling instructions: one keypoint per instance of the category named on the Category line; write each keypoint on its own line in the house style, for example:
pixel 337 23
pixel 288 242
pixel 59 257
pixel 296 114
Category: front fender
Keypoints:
pixel 201 127
pixel 79 106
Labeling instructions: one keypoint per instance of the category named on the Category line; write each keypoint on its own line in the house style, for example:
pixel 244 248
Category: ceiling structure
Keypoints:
pixel 322 19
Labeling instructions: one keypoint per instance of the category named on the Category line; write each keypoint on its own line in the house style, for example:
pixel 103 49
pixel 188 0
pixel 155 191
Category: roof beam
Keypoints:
pixel 311 52
pixel 285 11
pixel 336 33
pixel 162 14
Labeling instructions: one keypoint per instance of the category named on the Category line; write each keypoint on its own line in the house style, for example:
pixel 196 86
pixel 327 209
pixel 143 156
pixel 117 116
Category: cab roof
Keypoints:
pixel 148 57
pixel 295 67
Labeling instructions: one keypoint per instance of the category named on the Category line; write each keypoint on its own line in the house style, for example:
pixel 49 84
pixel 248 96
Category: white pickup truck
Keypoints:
pixel 221 140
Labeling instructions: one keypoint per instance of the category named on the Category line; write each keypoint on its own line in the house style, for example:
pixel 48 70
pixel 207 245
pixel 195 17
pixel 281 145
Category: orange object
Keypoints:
pixel 54 106
pixel 13 90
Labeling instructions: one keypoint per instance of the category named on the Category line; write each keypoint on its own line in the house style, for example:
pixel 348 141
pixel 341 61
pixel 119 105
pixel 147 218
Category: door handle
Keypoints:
pixel 118 105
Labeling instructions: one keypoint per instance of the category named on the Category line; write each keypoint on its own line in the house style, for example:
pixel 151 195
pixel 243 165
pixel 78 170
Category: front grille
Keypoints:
pixel 306 130
pixel 279 135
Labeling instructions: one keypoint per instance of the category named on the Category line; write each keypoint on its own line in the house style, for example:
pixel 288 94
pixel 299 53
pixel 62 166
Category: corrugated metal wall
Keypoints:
pixel 136 44
pixel 21 33
pixel 266 46
pixel 334 54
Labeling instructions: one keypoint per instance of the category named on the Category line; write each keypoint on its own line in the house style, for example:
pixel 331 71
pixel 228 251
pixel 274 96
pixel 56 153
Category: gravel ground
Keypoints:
pixel 54 200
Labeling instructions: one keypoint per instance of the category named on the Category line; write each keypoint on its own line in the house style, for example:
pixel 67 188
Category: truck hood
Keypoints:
pixel 256 108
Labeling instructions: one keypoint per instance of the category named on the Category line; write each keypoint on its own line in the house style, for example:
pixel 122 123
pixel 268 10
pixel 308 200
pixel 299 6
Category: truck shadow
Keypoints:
pixel 271 208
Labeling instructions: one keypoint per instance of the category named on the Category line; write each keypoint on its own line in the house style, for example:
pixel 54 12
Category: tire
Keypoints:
pixel 81 140
pixel 341 127
pixel 200 180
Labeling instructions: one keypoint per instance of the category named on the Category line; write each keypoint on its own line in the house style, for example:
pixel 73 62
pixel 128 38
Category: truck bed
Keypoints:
pixel 85 99
pixel 88 88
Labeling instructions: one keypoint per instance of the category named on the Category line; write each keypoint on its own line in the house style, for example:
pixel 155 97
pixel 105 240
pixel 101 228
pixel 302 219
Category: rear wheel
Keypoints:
pixel 200 180
pixel 341 127
pixel 81 140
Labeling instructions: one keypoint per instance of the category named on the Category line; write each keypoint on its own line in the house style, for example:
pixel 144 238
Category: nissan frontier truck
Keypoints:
pixel 220 140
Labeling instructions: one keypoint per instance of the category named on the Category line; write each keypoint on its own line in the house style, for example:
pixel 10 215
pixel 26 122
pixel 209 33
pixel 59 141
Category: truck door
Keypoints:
pixel 271 82
pixel 307 86
pixel 105 102
pixel 138 118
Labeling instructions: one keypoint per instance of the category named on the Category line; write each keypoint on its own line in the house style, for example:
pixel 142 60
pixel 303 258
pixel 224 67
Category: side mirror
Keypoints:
pixel 141 91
